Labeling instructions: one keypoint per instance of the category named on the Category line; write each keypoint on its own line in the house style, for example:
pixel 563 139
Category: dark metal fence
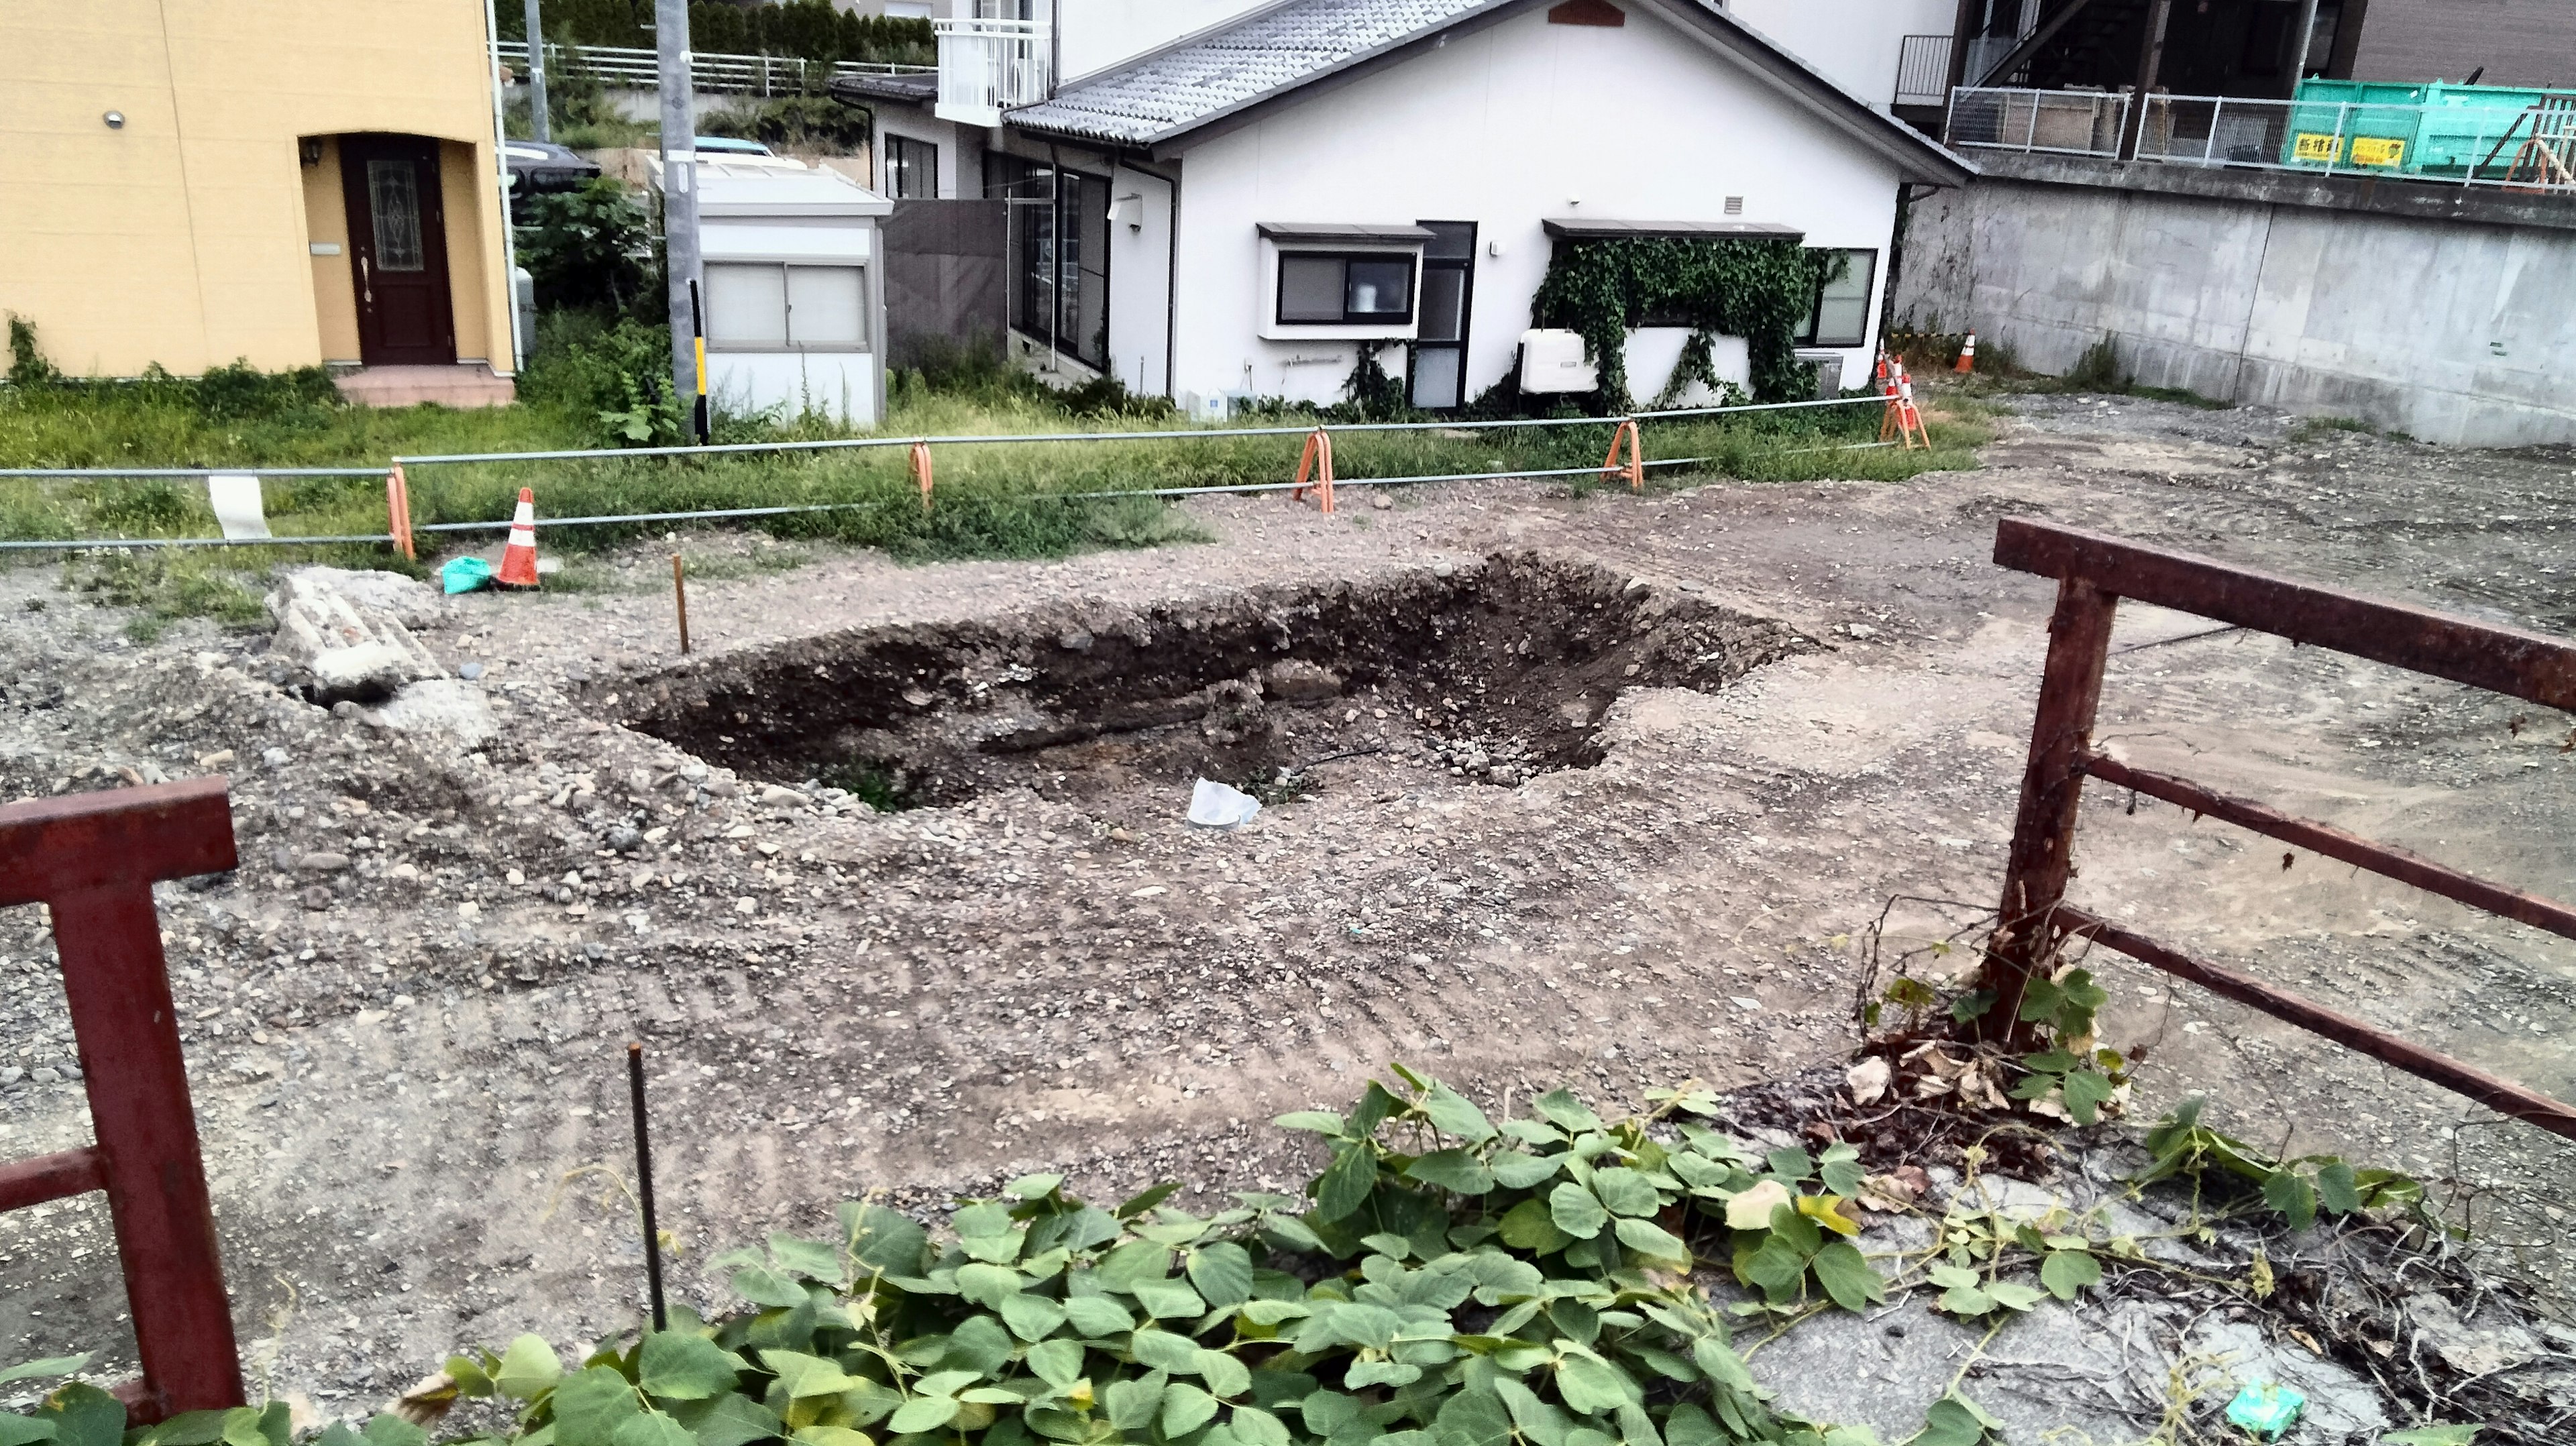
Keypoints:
pixel 2093 573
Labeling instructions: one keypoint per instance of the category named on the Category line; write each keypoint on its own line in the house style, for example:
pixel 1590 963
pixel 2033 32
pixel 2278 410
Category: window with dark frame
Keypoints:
pixel 1841 313
pixel 912 169
pixel 1345 288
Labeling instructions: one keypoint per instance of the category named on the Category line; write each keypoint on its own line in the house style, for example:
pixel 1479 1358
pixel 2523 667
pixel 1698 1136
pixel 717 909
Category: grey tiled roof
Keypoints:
pixel 1280 48
pixel 1165 94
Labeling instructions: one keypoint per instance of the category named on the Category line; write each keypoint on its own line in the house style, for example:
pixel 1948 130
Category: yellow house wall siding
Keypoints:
pixel 335 289
pixel 183 238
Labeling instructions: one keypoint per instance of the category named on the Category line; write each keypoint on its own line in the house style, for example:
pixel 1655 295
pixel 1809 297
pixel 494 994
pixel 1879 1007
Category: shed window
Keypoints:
pixel 1360 288
pixel 1841 317
pixel 765 306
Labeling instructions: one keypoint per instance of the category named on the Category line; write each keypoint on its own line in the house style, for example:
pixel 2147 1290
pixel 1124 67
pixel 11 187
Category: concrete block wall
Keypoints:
pixel 2454 328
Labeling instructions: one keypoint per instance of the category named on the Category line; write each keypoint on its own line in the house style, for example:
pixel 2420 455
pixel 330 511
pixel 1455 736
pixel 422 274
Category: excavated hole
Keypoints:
pixel 1498 671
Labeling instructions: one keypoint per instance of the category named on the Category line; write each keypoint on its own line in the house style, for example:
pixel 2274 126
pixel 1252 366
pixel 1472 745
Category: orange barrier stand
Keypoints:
pixel 1317 460
pixel 1635 470
pixel 398 513
pixel 921 471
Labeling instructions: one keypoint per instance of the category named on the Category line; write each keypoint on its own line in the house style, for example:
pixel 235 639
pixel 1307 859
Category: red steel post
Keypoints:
pixel 2043 846
pixel 92 859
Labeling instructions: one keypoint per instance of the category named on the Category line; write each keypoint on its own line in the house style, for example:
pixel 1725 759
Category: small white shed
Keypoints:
pixel 795 294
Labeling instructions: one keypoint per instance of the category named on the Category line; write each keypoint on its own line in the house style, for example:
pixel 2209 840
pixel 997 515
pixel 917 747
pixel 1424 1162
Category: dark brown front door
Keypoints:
pixel 398 250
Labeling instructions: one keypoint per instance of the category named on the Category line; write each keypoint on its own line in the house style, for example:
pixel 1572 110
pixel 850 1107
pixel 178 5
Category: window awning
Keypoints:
pixel 1344 232
pixel 1587 229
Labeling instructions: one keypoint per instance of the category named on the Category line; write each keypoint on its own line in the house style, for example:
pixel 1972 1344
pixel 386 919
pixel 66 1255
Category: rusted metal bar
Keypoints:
pixel 2529 666
pixel 92 859
pixel 35 1180
pixel 2500 1095
pixel 2052 788
pixel 2334 843
pixel 56 846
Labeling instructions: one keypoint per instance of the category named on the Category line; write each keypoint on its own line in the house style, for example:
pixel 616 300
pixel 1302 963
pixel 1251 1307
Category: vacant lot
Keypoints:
pixel 1601 789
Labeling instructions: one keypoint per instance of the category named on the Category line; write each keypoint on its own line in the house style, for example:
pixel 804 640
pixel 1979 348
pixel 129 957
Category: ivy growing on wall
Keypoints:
pixel 1717 286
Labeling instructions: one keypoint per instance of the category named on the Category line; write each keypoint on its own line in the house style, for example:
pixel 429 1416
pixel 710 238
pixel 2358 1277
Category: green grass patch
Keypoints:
pixel 1020 499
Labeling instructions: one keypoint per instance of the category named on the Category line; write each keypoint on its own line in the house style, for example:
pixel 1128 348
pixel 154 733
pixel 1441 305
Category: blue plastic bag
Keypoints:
pixel 465 574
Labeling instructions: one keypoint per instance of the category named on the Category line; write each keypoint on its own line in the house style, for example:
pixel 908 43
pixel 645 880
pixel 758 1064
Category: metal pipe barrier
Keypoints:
pixel 400 528
pixel 2093 573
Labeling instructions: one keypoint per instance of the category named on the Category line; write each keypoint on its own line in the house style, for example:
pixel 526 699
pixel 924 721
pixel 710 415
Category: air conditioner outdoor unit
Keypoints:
pixel 1552 361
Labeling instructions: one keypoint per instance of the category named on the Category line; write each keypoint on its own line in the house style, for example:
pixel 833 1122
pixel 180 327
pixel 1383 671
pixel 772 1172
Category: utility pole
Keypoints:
pixel 538 116
pixel 679 194
pixel 2303 32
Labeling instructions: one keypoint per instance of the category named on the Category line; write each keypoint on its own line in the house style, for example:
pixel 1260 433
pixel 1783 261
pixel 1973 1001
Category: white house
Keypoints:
pixel 1227 198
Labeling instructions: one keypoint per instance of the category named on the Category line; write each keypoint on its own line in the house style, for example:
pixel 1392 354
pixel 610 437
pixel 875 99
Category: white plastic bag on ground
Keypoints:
pixel 1213 805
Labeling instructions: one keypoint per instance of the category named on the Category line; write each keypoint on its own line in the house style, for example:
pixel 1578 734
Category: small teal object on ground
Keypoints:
pixel 465 574
pixel 2267 1410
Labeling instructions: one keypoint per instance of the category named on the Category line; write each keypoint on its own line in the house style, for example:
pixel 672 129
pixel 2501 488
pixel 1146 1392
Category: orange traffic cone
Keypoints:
pixel 519 559
pixel 1967 355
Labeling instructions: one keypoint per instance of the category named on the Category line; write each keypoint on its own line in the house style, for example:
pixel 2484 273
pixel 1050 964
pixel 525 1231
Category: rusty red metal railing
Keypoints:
pixel 2093 573
pixel 92 860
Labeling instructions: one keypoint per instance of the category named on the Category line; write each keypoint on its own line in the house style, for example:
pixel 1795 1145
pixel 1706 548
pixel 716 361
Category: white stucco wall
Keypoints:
pixel 1506 127
pixel 1854 41
pixel 1100 33
pixel 1140 269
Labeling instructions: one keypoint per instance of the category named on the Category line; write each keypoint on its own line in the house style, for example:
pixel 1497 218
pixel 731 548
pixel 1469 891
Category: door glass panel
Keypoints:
pixel 1310 288
pixel 1444 293
pixel 1450 240
pixel 1086 324
pixel 393 198
pixel 1381 288
pixel 746 305
pixel 1435 377
pixel 826 307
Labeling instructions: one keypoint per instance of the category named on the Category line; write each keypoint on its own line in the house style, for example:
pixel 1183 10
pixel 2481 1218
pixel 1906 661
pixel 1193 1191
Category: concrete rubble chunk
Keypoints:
pixel 343 633
pixel 441 706
pixel 1294 680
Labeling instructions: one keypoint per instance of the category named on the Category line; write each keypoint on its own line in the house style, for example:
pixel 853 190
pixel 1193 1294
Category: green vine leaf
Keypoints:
pixel 1576 1211
pixel 2068 1273
pixel 1847 1276
pixel 1345 1184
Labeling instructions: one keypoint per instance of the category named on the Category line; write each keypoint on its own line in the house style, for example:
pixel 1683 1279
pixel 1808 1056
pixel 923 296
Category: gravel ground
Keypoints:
pixel 405 1012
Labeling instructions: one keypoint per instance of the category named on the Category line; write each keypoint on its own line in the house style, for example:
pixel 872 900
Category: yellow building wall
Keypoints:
pixel 184 236
pixel 335 289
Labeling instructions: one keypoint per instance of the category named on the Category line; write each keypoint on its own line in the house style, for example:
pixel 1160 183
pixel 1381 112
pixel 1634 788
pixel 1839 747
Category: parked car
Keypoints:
pixel 731 146
pixel 537 167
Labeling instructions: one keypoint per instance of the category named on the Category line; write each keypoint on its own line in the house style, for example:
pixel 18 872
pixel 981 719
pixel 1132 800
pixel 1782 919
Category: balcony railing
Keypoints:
pixel 629 66
pixel 2060 122
pixel 989 66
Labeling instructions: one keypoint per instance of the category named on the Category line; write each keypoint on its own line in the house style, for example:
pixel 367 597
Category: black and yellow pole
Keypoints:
pixel 698 334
